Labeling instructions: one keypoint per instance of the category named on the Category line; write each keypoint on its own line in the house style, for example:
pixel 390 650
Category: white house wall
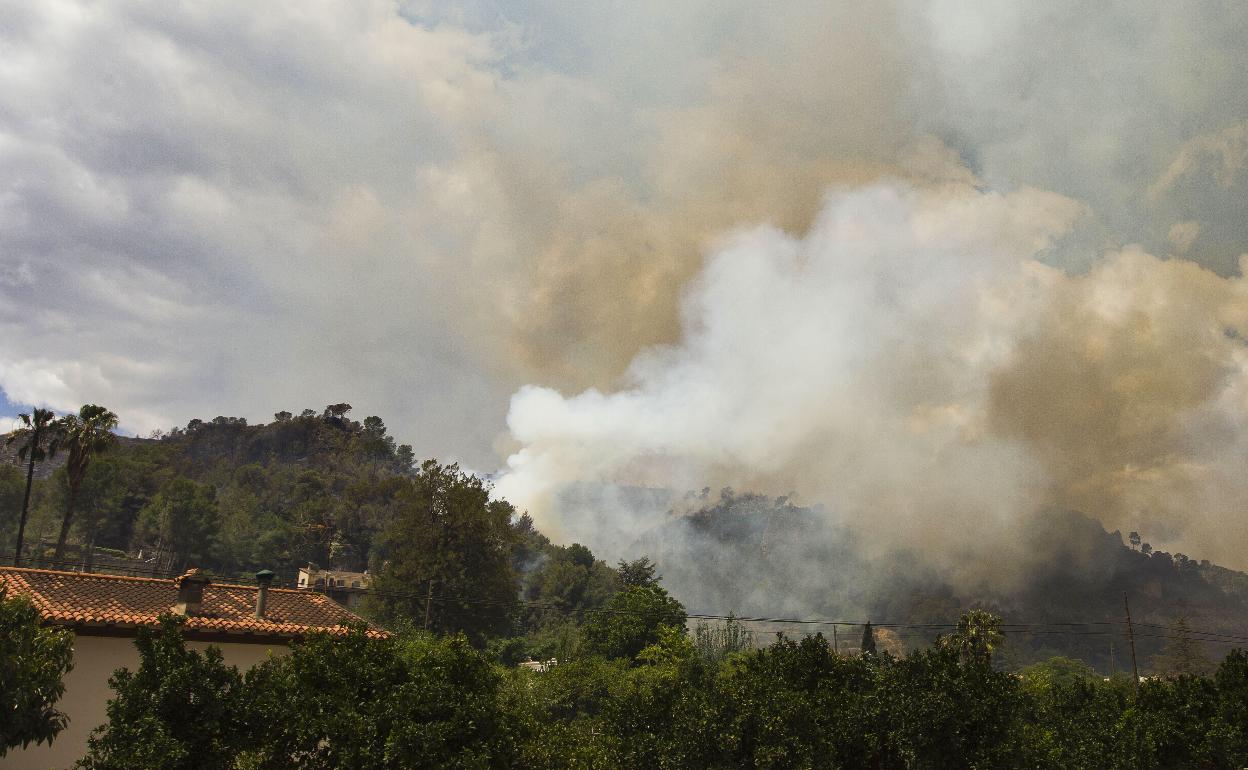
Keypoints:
pixel 87 693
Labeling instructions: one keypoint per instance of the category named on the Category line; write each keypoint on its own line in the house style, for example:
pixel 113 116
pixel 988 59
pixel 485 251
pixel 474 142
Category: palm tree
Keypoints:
pixel 85 435
pixel 39 441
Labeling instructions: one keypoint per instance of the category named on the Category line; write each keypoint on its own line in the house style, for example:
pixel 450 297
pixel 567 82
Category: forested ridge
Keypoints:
pixel 320 487
pixel 233 497
pixel 316 488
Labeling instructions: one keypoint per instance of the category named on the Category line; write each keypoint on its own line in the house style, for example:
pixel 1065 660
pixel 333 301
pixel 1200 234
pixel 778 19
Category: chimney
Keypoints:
pixel 264 578
pixel 191 592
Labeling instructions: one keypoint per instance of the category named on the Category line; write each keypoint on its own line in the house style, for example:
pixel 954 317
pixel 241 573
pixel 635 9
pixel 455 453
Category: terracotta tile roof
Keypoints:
pixel 93 601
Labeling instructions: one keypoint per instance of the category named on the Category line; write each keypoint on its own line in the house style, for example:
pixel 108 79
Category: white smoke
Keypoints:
pixel 913 364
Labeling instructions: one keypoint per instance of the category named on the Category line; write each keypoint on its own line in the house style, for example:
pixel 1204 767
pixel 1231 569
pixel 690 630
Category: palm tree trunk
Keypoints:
pixel 90 563
pixel 21 522
pixel 68 520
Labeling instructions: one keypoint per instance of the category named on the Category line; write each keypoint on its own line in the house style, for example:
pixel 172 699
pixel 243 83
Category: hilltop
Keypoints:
pixel 307 487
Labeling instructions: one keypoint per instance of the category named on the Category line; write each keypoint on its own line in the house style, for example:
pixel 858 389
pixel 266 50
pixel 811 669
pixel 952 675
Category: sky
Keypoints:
pixel 8 412
pixel 514 231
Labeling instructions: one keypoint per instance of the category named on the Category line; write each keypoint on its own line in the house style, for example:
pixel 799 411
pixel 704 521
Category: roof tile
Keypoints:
pixel 75 598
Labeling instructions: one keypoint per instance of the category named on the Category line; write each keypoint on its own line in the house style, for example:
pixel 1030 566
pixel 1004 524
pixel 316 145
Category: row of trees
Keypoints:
pixel 645 694
pixel 41 436
pixel 317 487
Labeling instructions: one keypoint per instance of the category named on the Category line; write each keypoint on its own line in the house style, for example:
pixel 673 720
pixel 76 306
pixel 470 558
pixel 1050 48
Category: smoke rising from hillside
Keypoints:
pixel 913 364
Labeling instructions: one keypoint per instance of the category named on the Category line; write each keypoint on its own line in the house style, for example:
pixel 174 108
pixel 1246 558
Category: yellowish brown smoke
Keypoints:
pixel 913 364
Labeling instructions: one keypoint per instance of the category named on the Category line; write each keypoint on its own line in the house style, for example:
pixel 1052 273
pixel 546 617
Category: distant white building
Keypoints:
pixel 347 588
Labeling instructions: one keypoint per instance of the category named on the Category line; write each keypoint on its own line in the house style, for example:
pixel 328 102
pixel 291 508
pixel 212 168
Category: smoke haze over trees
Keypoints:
pixel 914 365
pixel 324 488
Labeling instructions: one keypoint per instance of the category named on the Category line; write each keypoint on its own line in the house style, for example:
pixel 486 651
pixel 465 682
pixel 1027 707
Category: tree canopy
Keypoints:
pixel 179 711
pixel 631 621
pixel 444 558
pixel 33 662
pixel 351 700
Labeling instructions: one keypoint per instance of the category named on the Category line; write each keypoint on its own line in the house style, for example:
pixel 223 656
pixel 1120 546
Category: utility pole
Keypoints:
pixel 428 603
pixel 835 646
pixel 1135 671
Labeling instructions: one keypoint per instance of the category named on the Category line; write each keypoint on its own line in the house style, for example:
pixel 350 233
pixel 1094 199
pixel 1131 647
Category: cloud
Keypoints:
pixel 1183 234
pixel 218 209
pixel 1101 103
pixel 240 209
pixel 1221 156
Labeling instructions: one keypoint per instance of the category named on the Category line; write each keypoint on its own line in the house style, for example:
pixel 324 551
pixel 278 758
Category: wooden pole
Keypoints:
pixel 1135 671
pixel 428 603
pixel 835 647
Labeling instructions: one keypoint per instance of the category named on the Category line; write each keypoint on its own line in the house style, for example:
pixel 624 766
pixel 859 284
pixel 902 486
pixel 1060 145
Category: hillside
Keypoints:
pixel 44 470
pixel 322 488
pixel 760 557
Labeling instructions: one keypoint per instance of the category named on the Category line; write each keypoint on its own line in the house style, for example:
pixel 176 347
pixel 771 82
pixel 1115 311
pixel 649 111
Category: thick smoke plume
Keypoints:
pixel 912 363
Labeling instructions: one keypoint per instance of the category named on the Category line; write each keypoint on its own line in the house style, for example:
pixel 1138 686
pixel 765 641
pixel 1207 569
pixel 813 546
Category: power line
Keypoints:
pixel 925 630
pixel 1069 628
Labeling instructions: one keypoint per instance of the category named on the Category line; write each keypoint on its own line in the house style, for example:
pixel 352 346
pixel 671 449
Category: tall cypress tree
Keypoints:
pixel 868 640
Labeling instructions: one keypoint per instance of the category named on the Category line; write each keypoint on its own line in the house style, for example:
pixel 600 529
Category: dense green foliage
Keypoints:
pixel 336 702
pixel 351 701
pixel 560 585
pixel 178 711
pixel 315 488
pixel 444 560
pixel 12 487
pixel 358 702
pixel 33 661
pixel 632 621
